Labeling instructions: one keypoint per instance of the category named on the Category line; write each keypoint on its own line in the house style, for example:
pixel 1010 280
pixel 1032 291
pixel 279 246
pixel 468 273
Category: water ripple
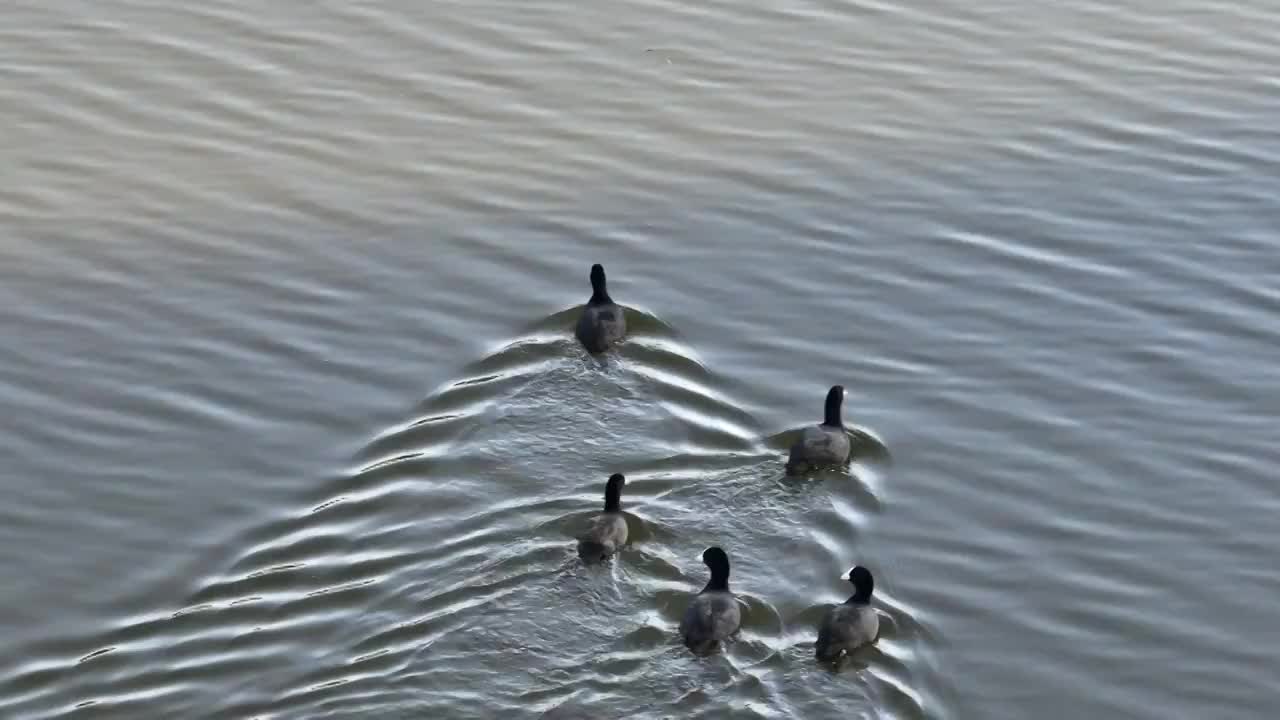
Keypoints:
pixel 374 548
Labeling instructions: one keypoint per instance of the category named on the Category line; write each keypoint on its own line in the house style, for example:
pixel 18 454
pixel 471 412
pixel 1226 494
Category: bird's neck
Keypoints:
pixel 717 584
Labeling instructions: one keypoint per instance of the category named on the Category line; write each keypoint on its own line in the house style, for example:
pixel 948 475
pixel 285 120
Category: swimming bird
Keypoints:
pixel 852 624
pixel 825 444
pixel 714 614
pixel 608 531
pixel 601 324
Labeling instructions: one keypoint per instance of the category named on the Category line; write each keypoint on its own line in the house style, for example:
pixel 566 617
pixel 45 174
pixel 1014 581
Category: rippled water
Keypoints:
pixel 294 424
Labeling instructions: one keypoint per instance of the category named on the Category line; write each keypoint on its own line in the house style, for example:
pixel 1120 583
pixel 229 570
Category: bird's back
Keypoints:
pixel 608 533
pixel 709 619
pixel 820 445
pixel 600 326
pixel 845 628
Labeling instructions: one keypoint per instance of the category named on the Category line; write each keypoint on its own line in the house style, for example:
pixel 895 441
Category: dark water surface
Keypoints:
pixel 294 425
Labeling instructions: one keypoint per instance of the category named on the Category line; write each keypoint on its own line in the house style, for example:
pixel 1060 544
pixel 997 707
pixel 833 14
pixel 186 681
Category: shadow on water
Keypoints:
pixel 439 575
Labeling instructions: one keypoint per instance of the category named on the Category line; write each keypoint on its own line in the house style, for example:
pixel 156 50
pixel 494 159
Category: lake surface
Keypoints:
pixel 294 425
